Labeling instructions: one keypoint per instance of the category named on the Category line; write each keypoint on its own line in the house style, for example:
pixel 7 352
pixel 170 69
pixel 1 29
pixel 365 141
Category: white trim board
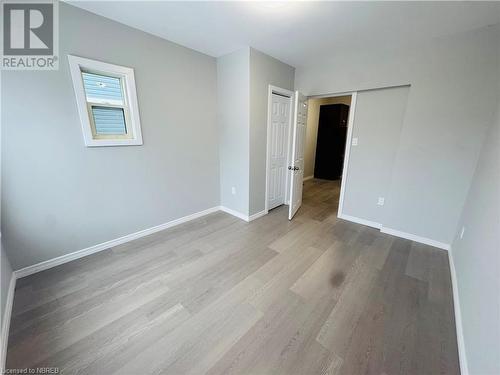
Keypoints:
pixel 394 232
pixel 360 221
pixel 462 355
pixel 241 216
pixel 26 271
pixel 235 213
pixel 413 237
pixel 6 322
pixel 257 215
pixel 307 178
pixel 42 266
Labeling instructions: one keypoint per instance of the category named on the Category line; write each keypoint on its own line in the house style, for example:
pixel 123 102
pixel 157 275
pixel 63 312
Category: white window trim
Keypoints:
pixel 76 65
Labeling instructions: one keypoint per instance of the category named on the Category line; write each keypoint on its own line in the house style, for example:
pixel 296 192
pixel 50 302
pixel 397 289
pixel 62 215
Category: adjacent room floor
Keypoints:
pixel 315 295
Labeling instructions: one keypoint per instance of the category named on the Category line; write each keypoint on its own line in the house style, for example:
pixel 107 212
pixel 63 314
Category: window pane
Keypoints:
pixel 100 88
pixel 109 120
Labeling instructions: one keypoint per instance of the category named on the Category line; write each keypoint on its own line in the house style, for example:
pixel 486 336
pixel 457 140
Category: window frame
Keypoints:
pixel 133 137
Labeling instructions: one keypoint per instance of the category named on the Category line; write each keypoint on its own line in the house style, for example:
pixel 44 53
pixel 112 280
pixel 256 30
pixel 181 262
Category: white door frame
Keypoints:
pixel 348 142
pixel 290 94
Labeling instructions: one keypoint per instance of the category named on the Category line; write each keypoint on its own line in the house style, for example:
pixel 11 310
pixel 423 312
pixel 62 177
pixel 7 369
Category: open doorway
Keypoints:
pixel 327 132
pixel 308 135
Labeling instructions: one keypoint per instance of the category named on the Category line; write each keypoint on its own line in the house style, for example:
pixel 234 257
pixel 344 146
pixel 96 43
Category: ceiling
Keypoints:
pixel 296 32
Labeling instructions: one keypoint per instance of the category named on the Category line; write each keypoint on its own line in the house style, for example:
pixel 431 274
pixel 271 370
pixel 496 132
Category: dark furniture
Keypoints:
pixel 330 144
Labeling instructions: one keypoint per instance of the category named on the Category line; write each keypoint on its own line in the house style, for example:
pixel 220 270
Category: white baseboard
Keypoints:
pixel 360 221
pixel 6 322
pixel 413 237
pixel 235 213
pixel 257 215
pixel 241 216
pixel 394 232
pixel 26 271
pixel 106 245
pixel 307 178
pixel 462 355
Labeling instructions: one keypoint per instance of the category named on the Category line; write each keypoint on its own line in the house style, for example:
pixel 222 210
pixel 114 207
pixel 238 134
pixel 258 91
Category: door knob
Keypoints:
pixel 289 167
pixel 296 168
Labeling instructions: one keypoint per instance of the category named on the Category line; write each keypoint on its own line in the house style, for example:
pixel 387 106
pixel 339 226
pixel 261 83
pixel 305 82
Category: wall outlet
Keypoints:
pixel 462 233
pixel 355 141
pixel 233 190
pixel 381 201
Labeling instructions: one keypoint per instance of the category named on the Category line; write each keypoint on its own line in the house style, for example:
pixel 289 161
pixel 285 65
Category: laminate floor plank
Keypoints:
pixel 217 295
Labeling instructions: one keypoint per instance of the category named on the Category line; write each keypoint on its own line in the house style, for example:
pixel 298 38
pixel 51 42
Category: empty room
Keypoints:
pixel 250 187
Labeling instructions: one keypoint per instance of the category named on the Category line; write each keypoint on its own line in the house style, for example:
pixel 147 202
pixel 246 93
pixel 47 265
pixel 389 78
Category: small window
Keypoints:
pixel 107 103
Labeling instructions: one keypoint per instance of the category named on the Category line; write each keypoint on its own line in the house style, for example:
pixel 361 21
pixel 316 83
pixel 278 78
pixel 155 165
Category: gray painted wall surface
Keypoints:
pixel 6 275
pixel 243 78
pixel 377 125
pixel 477 260
pixel 233 113
pixel 264 71
pixel 59 196
pixel 452 98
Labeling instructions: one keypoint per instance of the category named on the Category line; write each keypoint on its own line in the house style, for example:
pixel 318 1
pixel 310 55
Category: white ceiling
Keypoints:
pixel 296 32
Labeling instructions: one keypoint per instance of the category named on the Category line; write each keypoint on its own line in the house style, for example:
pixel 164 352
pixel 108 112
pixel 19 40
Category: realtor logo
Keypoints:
pixel 30 35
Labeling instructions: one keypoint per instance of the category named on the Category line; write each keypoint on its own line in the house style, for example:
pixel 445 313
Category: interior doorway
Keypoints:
pixel 329 131
pixel 327 125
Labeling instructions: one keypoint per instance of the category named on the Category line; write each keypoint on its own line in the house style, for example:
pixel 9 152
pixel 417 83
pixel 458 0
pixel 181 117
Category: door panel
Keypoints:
pixel 278 133
pixel 297 167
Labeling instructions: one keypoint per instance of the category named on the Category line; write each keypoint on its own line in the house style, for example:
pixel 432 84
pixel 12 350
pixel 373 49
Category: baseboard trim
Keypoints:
pixel 45 265
pixel 307 178
pixel 235 213
pixel 462 355
pixel 358 220
pixel 257 215
pixel 241 216
pixel 26 271
pixel 6 322
pixel 413 237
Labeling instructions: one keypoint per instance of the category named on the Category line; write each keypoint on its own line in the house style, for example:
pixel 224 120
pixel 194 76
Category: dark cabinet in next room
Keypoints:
pixel 330 144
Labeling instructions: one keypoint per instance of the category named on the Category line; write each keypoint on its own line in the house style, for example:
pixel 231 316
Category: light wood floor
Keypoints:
pixel 316 295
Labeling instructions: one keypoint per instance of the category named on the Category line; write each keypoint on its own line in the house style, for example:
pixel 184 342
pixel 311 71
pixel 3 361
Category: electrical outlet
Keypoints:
pixel 233 190
pixel 355 141
pixel 462 233
pixel 381 201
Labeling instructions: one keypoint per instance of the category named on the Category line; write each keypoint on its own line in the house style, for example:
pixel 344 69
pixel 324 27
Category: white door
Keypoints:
pixel 278 141
pixel 297 167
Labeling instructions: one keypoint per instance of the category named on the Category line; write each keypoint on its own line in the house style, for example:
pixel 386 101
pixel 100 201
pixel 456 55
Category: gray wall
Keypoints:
pixel 59 196
pixel 233 113
pixel 243 78
pixel 377 125
pixel 453 88
pixel 264 71
pixel 6 275
pixel 477 260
